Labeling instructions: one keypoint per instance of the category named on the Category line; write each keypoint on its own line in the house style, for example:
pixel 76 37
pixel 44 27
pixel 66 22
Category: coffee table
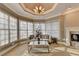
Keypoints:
pixel 34 44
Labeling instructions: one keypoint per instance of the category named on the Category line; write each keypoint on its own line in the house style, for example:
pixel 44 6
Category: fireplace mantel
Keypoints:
pixel 67 31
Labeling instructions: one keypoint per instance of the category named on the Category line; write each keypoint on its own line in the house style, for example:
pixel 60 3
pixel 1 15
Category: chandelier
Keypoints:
pixel 39 10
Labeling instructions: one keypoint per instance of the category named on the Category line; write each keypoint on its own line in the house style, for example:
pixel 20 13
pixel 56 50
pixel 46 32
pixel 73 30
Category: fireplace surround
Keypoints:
pixel 72 36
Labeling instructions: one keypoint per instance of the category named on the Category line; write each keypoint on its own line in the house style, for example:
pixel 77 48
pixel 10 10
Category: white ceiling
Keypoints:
pixel 60 8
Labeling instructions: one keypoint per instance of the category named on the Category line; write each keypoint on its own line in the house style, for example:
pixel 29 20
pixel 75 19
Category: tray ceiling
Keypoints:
pixel 53 11
pixel 47 7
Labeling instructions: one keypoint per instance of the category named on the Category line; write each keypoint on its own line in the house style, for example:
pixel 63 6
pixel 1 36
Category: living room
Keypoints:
pixel 52 26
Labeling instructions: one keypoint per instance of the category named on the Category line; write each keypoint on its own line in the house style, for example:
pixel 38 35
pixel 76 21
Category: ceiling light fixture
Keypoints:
pixel 39 10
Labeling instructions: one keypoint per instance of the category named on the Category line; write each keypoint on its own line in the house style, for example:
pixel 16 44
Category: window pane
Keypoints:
pixel 13 29
pixel 3 37
pixel 23 25
pixel 36 26
pixel 23 29
pixel 23 34
pixel 30 26
pixel 2 34
pixel 30 33
pixel 13 35
pixel 1 21
pixel 42 25
pixel 30 29
pixel 13 23
pixel 1 14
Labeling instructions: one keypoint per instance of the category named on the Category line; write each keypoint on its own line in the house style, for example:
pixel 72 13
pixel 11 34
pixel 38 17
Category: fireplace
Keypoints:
pixel 74 36
pixel 74 39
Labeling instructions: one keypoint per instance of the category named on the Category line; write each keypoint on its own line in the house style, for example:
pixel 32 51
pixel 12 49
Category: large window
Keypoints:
pixel 42 25
pixel 48 28
pixel 55 29
pixel 52 29
pixel 13 29
pixel 30 29
pixel 35 27
pixel 23 29
pixel 3 28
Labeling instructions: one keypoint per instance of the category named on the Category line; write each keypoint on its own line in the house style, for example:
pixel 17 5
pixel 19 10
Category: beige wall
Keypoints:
pixel 72 19
pixel 71 24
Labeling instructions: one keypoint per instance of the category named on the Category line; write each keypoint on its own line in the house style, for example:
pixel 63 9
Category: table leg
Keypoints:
pixel 28 50
pixel 48 49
